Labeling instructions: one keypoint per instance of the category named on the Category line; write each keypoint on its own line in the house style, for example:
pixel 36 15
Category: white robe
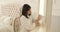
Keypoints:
pixel 26 24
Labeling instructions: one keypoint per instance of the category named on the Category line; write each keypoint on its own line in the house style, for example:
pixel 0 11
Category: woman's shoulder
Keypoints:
pixel 22 17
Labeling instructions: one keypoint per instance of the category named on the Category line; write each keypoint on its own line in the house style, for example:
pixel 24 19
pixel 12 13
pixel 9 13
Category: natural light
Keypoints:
pixel 41 12
pixel 41 8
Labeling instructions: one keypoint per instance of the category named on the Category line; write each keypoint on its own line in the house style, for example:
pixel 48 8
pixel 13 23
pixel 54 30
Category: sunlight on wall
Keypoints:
pixel 41 8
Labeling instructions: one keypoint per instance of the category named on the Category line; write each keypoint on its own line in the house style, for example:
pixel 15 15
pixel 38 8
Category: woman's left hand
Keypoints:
pixel 39 17
pixel 37 21
pixel 28 30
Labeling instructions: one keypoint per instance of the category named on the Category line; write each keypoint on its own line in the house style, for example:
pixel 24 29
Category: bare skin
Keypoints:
pixel 37 21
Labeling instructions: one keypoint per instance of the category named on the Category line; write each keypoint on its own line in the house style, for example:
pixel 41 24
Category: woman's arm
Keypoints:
pixel 26 24
pixel 37 20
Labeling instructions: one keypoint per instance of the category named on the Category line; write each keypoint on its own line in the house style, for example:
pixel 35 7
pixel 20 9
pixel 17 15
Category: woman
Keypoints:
pixel 26 21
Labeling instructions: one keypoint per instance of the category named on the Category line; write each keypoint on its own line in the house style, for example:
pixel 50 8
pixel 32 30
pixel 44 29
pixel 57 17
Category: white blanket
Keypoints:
pixel 6 24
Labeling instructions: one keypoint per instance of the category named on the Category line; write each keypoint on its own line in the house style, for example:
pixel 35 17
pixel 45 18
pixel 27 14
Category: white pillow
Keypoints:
pixel 5 24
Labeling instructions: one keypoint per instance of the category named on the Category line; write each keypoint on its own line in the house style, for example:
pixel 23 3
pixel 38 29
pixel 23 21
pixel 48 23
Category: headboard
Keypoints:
pixel 12 10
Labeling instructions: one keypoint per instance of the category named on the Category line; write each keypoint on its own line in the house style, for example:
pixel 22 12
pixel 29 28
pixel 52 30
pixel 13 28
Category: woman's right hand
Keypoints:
pixel 37 21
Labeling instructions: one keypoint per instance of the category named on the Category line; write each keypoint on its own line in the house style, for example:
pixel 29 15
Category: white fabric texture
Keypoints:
pixel 6 24
pixel 26 24
pixel 9 12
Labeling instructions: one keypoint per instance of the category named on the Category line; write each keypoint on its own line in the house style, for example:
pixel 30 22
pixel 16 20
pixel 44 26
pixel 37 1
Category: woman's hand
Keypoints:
pixel 37 20
pixel 28 30
pixel 39 17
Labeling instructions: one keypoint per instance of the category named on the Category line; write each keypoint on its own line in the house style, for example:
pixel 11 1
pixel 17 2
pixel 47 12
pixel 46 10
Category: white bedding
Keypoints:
pixel 6 24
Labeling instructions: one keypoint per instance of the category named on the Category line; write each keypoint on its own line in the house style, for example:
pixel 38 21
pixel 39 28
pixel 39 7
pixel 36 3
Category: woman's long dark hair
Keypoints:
pixel 25 8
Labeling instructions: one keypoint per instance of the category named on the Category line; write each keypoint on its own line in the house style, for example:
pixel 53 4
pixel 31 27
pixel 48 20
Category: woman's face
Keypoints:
pixel 29 12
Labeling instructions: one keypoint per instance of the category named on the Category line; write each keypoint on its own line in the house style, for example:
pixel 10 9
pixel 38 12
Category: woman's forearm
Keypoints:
pixel 36 22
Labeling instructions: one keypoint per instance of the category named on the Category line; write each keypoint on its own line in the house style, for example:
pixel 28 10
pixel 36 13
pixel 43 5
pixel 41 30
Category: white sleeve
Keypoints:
pixel 26 24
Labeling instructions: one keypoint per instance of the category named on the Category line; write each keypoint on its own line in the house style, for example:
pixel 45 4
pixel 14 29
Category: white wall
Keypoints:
pixel 56 8
pixel 55 20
